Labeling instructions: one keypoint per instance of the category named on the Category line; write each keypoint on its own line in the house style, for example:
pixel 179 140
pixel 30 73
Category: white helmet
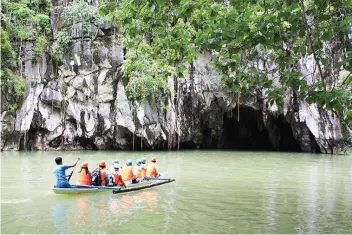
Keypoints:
pixel 116 166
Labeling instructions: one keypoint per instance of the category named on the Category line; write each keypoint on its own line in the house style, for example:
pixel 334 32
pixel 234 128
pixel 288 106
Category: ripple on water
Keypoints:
pixel 14 201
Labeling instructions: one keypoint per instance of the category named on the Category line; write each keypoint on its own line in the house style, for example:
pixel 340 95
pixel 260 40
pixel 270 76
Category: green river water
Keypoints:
pixel 214 192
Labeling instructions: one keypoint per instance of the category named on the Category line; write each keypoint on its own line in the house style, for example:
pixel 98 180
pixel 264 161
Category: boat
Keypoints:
pixel 80 189
pixel 140 187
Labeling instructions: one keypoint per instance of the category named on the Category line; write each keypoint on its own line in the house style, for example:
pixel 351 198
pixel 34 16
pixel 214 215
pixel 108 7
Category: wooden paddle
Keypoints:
pixel 152 178
pixel 69 177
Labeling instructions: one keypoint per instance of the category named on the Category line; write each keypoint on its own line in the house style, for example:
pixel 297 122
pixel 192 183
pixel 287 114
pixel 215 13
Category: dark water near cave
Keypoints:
pixel 214 192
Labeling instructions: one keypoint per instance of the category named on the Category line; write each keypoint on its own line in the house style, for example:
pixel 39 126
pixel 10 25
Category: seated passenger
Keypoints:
pixel 100 176
pixel 144 167
pixel 152 168
pixel 138 171
pixel 84 175
pixel 112 169
pixel 116 177
pixel 127 173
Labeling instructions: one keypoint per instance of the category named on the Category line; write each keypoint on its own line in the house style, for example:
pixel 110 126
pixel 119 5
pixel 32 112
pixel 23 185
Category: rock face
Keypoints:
pixel 85 107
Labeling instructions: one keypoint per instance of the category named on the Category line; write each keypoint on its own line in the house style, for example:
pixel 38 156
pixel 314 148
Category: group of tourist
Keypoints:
pixel 117 175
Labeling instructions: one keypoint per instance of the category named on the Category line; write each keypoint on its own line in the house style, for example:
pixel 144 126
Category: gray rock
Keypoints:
pixel 25 114
pixel 51 97
pixel 86 106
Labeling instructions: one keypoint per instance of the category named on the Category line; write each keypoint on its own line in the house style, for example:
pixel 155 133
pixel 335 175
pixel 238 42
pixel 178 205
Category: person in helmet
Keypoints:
pixel 112 169
pixel 152 168
pixel 138 171
pixel 104 175
pixel 144 167
pixel 127 172
pixel 116 176
pixel 84 175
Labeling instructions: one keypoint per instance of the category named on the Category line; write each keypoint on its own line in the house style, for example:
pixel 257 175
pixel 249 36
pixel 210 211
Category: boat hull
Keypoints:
pixel 82 189
pixel 140 187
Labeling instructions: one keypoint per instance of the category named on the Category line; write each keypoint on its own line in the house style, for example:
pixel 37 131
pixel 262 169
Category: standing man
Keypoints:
pixel 59 172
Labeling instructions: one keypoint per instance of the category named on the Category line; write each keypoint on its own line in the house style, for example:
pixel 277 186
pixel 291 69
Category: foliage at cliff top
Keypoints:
pixel 25 21
pixel 254 44
pixel 79 15
pixel 21 21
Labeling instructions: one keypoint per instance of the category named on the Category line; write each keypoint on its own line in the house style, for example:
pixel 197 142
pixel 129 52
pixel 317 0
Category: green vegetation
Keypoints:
pixel 21 21
pixel 29 21
pixel 83 16
pixel 254 44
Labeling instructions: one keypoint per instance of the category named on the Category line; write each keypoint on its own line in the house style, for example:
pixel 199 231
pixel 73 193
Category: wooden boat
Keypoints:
pixel 80 189
pixel 140 187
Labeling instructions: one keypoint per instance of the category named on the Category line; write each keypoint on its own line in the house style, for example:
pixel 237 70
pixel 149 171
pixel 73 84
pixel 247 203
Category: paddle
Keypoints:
pixel 69 177
pixel 156 179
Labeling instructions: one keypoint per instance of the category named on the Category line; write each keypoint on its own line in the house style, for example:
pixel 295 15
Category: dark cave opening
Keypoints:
pixel 246 132
pixel 210 141
pixel 86 143
pixel 287 141
pixel 249 133
pixel 315 147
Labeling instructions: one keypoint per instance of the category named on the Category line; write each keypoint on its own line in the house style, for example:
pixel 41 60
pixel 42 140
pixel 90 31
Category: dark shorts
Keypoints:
pixel 63 185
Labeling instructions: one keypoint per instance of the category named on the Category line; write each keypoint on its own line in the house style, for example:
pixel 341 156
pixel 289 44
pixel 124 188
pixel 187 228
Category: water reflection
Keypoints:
pixel 270 201
pixel 131 203
pixel 59 216
pixel 101 214
pixel 312 200
pixel 82 202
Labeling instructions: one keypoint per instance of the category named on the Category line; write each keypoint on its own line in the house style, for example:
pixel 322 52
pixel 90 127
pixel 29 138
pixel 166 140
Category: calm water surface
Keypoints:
pixel 214 192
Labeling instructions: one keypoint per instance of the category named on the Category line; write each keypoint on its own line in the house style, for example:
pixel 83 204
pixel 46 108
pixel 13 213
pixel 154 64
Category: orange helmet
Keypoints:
pixel 85 164
pixel 153 159
pixel 102 163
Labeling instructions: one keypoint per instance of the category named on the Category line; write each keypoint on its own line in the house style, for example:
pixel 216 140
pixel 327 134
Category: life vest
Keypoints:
pixel 102 176
pixel 117 178
pixel 144 170
pixel 127 173
pixel 151 170
pixel 84 177
pixel 138 172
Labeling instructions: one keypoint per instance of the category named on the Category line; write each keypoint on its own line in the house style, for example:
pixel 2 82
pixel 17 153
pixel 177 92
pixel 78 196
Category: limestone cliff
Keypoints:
pixel 82 104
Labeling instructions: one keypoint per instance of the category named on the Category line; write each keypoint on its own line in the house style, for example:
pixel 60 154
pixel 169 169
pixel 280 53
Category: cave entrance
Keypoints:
pixel 287 142
pixel 246 132
pixel 250 133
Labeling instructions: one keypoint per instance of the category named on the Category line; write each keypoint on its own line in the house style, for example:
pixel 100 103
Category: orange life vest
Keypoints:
pixel 103 176
pixel 138 172
pixel 127 173
pixel 144 169
pixel 84 177
pixel 117 178
pixel 151 170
